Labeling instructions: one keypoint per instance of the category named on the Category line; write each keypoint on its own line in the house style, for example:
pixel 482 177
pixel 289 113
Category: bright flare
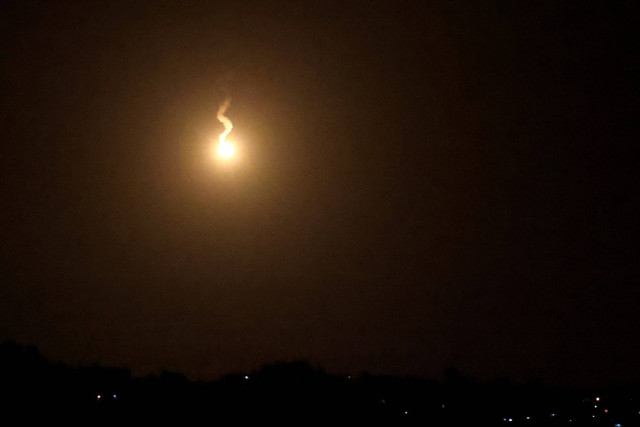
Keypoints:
pixel 225 149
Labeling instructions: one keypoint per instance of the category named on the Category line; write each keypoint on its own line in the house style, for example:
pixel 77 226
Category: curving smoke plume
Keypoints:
pixel 224 119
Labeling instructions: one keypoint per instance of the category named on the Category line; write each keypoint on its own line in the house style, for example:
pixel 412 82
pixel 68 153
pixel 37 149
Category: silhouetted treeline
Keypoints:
pixel 293 393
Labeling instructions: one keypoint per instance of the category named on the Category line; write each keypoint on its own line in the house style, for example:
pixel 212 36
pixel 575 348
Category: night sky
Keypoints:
pixel 419 185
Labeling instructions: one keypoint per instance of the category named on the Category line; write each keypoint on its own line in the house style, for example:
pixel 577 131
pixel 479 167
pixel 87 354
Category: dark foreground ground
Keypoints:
pixel 292 393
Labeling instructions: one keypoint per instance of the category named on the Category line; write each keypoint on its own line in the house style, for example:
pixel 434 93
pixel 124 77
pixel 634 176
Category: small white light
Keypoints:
pixel 246 377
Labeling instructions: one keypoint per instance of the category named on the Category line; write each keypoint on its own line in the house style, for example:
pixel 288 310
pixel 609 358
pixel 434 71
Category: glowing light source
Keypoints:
pixel 226 150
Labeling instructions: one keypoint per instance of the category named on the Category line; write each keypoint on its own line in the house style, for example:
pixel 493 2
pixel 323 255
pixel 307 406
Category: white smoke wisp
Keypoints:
pixel 224 119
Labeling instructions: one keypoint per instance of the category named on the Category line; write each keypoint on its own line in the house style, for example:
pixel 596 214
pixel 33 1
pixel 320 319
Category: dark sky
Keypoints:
pixel 419 185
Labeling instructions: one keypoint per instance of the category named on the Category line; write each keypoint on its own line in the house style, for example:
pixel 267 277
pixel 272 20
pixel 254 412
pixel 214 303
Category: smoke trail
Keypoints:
pixel 224 119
